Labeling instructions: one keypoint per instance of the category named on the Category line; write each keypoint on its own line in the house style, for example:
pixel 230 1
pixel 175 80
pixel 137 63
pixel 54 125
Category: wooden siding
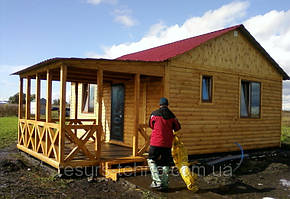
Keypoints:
pixel 154 89
pixel 106 110
pixel 230 54
pixel 129 112
pixel 150 93
pixel 153 95
pixel 215 127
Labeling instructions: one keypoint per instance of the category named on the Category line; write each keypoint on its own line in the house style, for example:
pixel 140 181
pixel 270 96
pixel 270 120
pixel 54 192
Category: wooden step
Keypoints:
pixel 121 166
pixel 113 173
pixel 123 160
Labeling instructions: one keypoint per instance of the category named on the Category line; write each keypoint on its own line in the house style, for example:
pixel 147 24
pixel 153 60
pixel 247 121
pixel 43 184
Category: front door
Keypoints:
pixel 117 112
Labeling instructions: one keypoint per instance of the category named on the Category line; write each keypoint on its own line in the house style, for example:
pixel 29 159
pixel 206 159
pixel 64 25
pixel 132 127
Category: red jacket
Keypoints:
pixel 163 122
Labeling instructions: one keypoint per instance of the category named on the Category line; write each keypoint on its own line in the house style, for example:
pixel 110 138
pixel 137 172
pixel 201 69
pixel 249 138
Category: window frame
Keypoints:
pixel 210 90
pixel 250 102
pixel 88 97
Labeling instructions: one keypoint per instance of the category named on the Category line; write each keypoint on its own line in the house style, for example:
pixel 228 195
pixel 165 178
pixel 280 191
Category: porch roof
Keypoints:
pixel 85 68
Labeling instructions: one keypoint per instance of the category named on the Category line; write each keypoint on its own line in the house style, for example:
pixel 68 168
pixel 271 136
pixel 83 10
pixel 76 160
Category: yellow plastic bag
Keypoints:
pixel 180 158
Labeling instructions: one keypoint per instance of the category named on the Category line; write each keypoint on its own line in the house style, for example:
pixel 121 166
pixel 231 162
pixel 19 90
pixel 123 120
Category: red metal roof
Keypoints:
pixel 164 52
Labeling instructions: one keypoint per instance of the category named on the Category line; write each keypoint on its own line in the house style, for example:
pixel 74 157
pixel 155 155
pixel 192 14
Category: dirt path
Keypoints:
pixel 263 174
pixel 22 179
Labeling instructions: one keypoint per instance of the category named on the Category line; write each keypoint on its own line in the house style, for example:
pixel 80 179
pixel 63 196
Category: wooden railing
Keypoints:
pixel 90 132
pixel 42 140
pixel 142 130
pixel 80 121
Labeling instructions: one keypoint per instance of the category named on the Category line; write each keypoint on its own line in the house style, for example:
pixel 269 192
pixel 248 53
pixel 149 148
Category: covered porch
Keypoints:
pixel 80 142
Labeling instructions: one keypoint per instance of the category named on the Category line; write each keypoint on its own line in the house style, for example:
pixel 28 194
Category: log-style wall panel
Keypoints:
pixel 215 127
pixel 230 54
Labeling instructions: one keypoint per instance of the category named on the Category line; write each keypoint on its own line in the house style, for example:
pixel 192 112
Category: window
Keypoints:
pixel 88 98
pixel 206 91
pixel 250 99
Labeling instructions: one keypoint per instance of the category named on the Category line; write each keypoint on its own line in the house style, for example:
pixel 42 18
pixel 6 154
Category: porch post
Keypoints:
pixel 48 96
pixel 76 99
pixel 62 108
pixel 20 99
pixel 136 122
pixel 27 108
pixel 100 126
pixel 37 98
pixel 20 106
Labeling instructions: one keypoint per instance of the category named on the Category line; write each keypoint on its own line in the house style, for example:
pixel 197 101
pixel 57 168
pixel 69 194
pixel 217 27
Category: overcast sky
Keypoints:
pixel 34 30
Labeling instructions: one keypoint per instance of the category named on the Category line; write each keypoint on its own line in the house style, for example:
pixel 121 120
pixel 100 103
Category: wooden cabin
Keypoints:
pixel 223 87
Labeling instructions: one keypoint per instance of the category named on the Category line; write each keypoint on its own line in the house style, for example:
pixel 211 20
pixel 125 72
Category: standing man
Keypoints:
pixel 162 122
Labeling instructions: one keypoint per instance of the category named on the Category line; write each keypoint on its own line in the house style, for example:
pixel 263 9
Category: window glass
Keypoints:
pixel 244 104
pixel 250 101
pixel 206 88
pixel 92 99
pixel 88 98
pixel 255 99
pixel 85 95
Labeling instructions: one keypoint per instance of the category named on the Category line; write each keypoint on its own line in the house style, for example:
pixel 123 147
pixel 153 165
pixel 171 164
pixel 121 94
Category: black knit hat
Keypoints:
pixel 163 101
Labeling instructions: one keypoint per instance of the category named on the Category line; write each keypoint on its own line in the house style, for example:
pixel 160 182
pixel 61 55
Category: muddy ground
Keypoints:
pixel 262 174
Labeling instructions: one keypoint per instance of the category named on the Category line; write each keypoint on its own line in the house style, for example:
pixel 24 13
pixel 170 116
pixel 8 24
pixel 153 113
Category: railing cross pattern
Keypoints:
pixel 30 133
pixel 22 134
pixel 52 137
pixel 40 136
pixel 80 144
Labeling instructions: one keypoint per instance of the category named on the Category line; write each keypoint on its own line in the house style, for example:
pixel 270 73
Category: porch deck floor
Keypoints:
pixel 109 151
pixel 113 151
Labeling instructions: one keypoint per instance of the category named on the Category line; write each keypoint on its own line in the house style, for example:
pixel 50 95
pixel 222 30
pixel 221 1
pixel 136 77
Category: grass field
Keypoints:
pixel 7 110
pixel 8 131
pixel 285 137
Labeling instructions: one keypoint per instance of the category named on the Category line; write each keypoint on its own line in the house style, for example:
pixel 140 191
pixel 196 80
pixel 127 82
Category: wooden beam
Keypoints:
pixel 90 73
pixel 76 85
pixel 20 102
pixel 100 126
pixel 48 96
pixel 42 69
pixel 130 67
pixel 136 115
pixel 62 111
pixel 28 88
pixel 79 163
pixel 20 108
pixel 39 156
pixel 86 79
pixel 144 68
pixel 37 98
pixel 76 99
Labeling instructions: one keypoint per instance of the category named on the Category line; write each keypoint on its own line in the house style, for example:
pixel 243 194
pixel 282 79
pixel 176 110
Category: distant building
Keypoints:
pixel 42 106
pixel 3 102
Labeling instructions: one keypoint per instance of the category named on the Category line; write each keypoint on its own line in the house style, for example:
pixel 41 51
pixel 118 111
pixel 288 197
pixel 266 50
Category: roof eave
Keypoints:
pixel 63 60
